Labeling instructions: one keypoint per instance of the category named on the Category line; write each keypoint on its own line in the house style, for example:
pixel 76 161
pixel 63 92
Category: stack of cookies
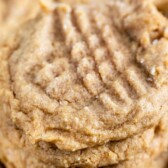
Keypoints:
pixel 83 84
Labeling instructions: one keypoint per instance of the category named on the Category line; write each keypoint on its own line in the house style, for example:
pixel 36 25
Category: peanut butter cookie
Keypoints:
pixel 91 73
pixel 85 85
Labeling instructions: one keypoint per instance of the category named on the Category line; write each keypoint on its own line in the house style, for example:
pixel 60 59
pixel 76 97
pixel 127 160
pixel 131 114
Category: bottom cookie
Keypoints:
pixel 17 152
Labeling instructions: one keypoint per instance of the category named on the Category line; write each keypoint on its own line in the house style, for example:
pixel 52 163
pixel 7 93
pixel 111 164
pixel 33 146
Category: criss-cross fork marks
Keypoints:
pixel 103 62
pixel 98 57
pixel 79 78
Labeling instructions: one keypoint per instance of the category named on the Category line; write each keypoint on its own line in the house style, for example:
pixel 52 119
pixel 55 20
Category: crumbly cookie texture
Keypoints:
pixel 90 73
pixel 16 151
pixel 85 86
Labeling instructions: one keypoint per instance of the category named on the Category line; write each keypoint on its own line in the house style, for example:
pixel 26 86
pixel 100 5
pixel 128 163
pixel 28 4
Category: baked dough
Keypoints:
pixel 84 85
pixel 16 151
pixel 79 72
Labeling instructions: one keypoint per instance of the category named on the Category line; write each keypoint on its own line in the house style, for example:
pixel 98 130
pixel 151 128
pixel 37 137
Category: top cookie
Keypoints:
pixel 84 75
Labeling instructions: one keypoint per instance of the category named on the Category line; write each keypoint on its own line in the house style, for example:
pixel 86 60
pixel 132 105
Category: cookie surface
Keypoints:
pixel 85 75
pixel 85 86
